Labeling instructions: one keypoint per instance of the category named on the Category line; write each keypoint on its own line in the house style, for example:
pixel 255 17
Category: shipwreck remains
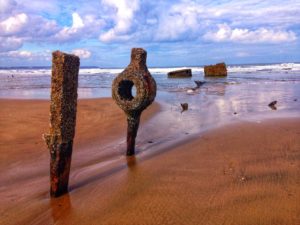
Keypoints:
pixel 272 105
pixel 218 70
pixel 184 107
pixel 63 107
pixel 183 73
pixel 136 75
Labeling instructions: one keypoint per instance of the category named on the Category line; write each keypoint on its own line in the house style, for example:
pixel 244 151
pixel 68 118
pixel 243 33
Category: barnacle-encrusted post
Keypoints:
pixel 136 75
pixel 63 107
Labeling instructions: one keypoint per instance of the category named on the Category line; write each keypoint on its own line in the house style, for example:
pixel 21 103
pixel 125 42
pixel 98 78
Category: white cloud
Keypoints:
pixel 25 54
pixel 189 19
pixel 32 28
pixel 6 5
pixel 77 21
pixel 242 54
pixel 41 24
pixel 261 35
pixel 123 17
pixel 151 21
pixel 10 43
pixel 42 29
pixel 82 27
pixel 112 36
pixel 82 53
pixel 257 13
pixel 68 33
pixel 40 6
pixel 92 25
pixel 13 24
pixel 180 21
pixel 19 54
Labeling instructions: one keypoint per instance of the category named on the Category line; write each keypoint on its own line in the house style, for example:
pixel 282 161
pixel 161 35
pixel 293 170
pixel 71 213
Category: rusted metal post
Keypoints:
pixel 63 107
pixel 136 75
pixel 133 122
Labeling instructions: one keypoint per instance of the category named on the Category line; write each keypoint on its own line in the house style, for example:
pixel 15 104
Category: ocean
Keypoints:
pixel 34 82
pixel 243 95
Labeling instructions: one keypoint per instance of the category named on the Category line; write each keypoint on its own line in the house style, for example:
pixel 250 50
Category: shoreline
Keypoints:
pixel 247 168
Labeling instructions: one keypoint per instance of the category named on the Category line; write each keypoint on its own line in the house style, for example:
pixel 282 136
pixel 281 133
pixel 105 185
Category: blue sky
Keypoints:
pixel 174 33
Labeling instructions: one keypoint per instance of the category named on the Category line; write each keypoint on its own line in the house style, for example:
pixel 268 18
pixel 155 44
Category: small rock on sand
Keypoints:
pixel 272 105
pixel 199 83
pixel 184 106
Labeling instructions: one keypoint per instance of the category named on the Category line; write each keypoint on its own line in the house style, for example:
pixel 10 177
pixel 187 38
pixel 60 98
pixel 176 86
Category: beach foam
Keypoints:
pixel 280 67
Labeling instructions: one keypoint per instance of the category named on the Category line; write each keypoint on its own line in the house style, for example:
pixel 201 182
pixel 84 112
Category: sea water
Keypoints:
pixel 243 95
pixel 34 82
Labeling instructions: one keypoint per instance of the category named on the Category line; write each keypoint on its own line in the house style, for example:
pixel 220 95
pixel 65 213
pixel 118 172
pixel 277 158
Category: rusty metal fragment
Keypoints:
pixel 184 107
pixel 272 105
pixel 183 73
pixel 136 75
pixel 217 70
pixel 63 107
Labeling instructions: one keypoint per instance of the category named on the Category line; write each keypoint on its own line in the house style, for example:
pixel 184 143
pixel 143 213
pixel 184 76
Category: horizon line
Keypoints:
pixel 98 67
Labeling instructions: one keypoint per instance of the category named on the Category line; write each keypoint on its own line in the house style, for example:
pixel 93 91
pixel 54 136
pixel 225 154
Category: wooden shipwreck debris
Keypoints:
pixel 184 73
pixel 64 83
pixel 216 70
pixel 135 74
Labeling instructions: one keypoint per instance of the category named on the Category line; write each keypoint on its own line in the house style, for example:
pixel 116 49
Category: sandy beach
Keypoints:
pixel 242 173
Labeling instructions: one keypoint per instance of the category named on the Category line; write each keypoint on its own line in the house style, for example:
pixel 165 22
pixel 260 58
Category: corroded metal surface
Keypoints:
pixel 184 107
pixel 63 106
pixel 219 69
pixel 184 73
pixel 136 75
pixel 272 105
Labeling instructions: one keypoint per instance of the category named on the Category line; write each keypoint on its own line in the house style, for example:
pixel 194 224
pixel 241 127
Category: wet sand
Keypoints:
pixel 244 173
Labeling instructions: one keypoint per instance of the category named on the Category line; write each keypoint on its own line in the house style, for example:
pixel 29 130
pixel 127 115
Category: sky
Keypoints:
pixel 174 33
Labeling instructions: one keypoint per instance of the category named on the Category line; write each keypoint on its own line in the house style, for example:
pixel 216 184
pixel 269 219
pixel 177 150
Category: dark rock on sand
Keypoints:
pixel 184 106
pixel 184 73
pixel 216 70
pixel 272 105
pixel 199 83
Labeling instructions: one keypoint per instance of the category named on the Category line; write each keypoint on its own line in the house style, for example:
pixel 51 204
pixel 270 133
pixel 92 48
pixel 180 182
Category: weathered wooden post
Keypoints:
pixel 135 74
pixel 63 107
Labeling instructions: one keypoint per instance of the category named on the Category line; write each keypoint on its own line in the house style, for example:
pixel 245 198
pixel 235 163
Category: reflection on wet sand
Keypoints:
pixel 215 89
pixel 131 162
pixel 61 206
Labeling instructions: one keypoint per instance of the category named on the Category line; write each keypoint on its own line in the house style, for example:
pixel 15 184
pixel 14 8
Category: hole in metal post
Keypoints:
pixel 127 90
pixel 133 91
